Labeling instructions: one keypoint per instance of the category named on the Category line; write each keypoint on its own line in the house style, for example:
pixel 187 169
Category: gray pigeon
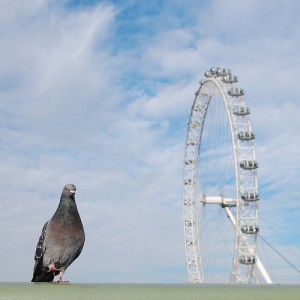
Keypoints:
pixel 61 240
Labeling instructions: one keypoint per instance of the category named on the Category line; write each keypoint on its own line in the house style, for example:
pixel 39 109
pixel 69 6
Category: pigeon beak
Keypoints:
pixel 72 192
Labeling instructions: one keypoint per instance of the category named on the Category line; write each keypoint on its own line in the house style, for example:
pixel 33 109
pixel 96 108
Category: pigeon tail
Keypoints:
pixel 42 275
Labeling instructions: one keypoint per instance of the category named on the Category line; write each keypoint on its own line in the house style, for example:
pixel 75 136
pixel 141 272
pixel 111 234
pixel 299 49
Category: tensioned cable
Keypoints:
pixel 275 233
pixel 281 255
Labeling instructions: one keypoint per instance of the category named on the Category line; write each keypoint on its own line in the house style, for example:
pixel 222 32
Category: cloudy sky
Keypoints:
pixel 98 93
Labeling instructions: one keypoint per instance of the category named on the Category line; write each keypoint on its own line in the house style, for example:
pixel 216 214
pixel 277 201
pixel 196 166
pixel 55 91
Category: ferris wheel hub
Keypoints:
pixel 218 200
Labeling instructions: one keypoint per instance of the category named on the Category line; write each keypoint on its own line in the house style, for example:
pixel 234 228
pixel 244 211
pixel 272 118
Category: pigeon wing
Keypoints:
pixel 40 249
pixel 40 273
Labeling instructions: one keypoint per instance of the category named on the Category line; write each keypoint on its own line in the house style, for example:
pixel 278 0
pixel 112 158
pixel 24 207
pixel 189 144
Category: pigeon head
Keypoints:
pixel 69 190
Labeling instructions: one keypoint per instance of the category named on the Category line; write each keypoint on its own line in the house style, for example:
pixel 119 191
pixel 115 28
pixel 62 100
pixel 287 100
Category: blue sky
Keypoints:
pixel 98 93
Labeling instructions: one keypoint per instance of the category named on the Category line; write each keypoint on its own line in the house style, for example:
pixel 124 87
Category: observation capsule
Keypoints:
pixel 192 263
pixel 188 181
pixel 249 164
pixel 207 74
pixel 235 91
pixel 222 72
pixel 190 161
pixel 213 70
pixel 188 223
pixel 229 78
pixel 197 107
pixel 191 142
pixel 241 110
pixel 187 202
pixel 246 135
pixel 247 260
pixel 249 229
pixel 250 196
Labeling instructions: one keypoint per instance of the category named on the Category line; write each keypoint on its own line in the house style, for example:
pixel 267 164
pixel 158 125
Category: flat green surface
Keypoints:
pixel 39 291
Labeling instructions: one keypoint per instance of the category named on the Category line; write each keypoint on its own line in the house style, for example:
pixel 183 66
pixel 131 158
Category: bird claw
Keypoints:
pixel 62 281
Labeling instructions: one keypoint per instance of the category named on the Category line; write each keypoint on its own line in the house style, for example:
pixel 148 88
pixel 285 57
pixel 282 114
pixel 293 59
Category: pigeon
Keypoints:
pixel 61 240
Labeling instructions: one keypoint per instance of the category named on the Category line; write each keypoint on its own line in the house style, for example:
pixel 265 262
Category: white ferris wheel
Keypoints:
pixel 220 188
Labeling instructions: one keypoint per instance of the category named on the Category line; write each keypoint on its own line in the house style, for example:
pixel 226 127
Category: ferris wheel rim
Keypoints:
pixel 191 235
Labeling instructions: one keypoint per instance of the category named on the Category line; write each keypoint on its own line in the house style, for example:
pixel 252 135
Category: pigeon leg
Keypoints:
pixel 61 278
pixel 54 270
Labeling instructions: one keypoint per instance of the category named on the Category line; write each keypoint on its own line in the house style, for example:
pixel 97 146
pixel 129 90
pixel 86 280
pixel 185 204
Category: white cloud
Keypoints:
pixel 113 122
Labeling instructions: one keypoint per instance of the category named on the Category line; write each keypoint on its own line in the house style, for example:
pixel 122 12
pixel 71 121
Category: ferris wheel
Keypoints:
pixel 220 188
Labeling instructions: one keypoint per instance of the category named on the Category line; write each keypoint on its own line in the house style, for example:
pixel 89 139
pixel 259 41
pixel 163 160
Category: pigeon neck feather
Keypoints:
pixel 66 211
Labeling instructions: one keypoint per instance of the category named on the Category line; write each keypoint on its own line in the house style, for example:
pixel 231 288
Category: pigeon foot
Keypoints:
pixel 61 273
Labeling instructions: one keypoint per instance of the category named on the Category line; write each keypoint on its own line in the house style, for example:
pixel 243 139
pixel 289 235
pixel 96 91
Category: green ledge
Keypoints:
pixel 57 291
